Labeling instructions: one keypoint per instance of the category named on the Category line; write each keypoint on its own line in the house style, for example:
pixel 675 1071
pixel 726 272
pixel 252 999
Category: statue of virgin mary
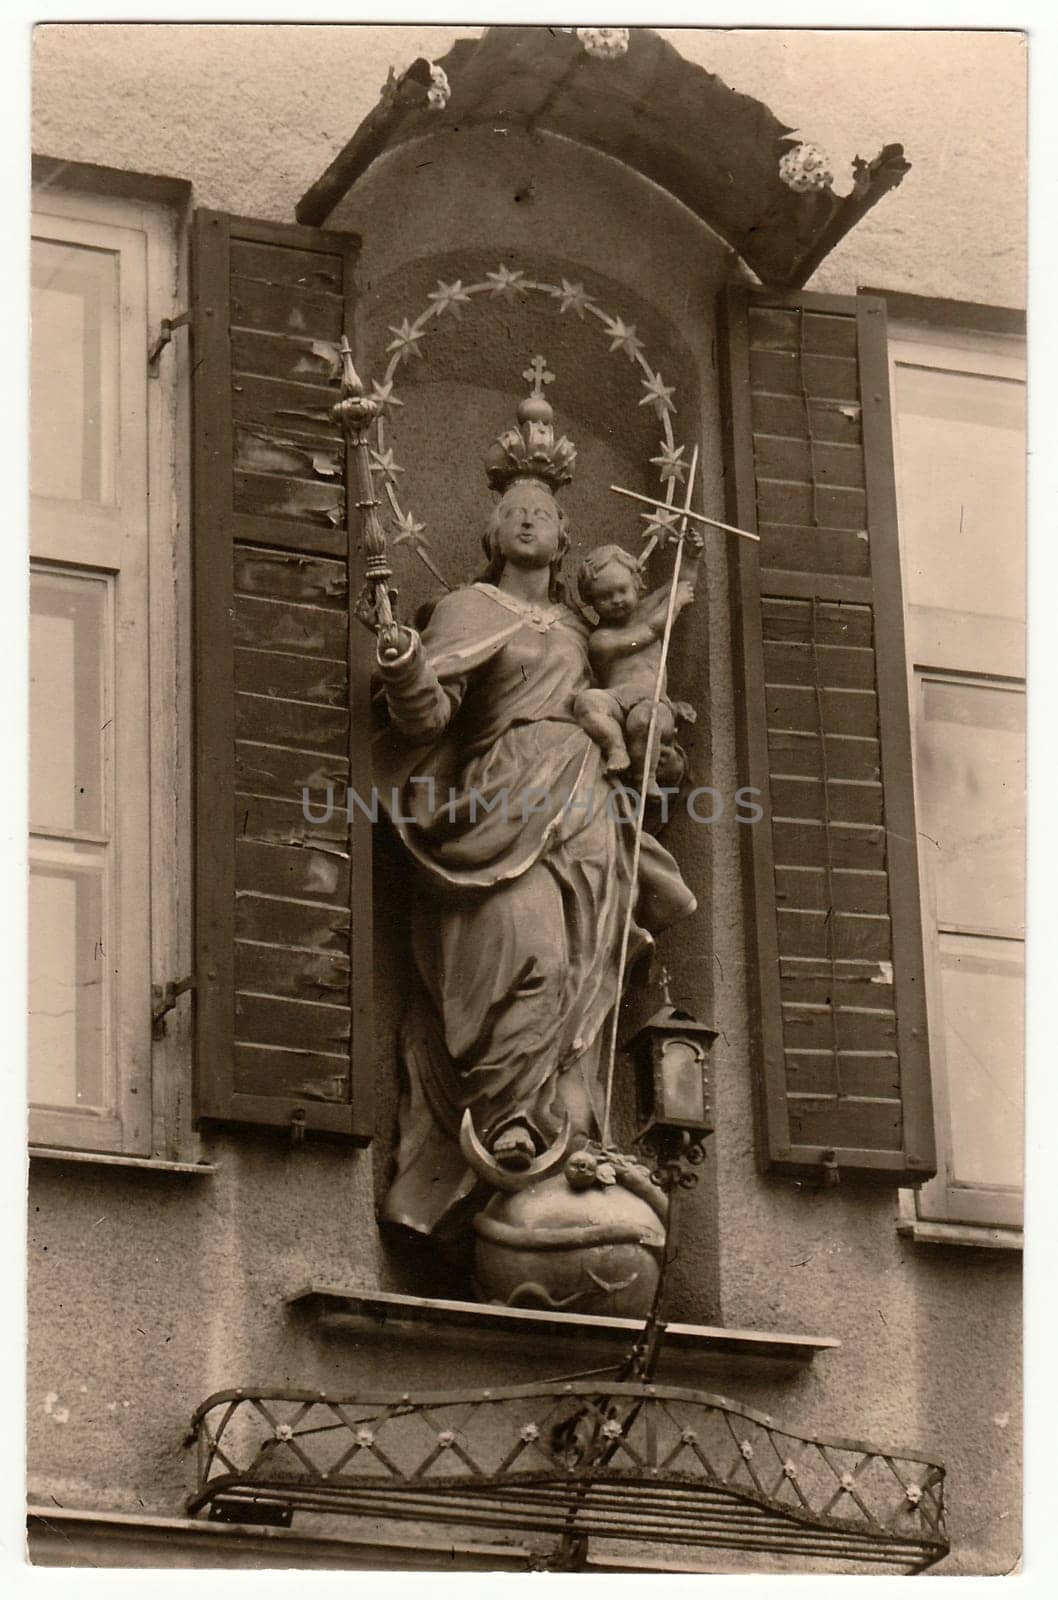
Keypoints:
pixel 521 861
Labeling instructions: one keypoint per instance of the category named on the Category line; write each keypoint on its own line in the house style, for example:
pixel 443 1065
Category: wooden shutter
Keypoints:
pixel 283 904
pixel 842 1048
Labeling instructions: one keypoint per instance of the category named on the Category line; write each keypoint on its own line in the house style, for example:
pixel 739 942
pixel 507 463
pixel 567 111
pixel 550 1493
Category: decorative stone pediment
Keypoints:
pixel 722 154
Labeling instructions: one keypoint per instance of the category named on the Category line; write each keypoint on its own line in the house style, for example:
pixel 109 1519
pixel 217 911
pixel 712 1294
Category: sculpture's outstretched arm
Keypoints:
pixel 419 706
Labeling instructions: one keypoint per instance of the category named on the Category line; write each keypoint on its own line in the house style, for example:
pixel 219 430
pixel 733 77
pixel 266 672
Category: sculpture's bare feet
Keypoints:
pixel 616 759
pixel 513 1149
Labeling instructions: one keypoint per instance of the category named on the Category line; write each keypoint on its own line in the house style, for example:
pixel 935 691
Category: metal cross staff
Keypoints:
pixel 679 534
pixel 659 682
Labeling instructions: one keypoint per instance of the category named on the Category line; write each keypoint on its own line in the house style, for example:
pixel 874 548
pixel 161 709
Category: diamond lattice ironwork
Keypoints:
pixel 628 1461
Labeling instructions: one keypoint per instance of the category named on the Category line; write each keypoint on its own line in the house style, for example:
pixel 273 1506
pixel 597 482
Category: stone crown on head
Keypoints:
pixel 531 450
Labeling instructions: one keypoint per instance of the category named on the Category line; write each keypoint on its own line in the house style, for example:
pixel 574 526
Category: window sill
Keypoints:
pixel 194 1169
pixel 960 1233
pixel 353 1312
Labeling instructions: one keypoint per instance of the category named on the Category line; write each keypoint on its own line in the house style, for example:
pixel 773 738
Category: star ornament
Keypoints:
pixel 659 395
pixel 383 394
pixel 410 530
pixel 506 285
pixel 670 463
pixel 573 297
pixel 660 525
pixel 449 297
pixel 624 338
pixel 406 343
pixel 383 462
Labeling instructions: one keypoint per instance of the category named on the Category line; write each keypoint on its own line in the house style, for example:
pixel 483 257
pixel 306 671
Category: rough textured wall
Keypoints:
pixel 155 1290
pixel 252 115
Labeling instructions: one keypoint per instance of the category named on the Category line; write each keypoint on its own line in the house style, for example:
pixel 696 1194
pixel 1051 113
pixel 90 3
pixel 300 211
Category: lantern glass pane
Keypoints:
pixel 683 1085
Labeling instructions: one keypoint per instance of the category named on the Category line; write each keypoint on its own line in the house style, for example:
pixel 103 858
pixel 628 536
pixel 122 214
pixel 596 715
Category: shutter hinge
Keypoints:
pixel 826 1176
pixel 163 1000
pixel 168 327
pixel 829 1176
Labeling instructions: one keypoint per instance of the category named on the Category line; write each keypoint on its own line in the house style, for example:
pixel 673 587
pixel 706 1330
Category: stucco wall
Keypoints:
pixel 252 115
pixel 148 1292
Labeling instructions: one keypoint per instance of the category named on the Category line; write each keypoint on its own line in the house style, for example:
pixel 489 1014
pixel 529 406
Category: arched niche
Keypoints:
pixel 453 208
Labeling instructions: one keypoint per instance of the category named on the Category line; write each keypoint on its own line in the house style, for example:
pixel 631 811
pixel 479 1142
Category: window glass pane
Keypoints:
pixel 970 761
pixel 68 628
pixel 961 442
pixel 982 988
pixel 69 976
pixel 73 372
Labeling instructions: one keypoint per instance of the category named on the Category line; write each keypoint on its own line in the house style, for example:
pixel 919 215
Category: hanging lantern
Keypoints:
pixel 673 1080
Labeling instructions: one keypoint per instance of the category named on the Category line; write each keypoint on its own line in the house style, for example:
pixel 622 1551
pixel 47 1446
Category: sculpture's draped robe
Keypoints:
pixel 523 883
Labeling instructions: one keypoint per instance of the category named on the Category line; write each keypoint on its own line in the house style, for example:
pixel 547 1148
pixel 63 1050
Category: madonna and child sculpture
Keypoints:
pixel 522 868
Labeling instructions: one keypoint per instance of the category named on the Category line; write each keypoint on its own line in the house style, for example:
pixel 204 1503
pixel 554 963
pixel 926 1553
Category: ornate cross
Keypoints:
pixel 537 374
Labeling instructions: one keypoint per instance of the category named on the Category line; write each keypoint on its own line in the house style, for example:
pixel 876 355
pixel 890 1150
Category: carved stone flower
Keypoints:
pixel 446 1438
pixel 804 168
pixel 747 1449
pixel 789 1469
pixel 914 1493
pixel 530 1433
pixel 604 44
pixel 688 1436
pixel 364 1438
pixel 284 1432
pixel 611 1429
pixel 847 1482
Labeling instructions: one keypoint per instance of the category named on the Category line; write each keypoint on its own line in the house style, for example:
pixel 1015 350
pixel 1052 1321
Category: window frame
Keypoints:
pixel 945 1210
pixel 150 221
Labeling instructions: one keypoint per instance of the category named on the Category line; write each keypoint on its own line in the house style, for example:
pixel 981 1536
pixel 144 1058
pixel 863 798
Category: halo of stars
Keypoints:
pixel 514 285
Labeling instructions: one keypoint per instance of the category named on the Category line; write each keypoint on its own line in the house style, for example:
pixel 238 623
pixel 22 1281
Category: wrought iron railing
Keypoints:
pixel 627 1461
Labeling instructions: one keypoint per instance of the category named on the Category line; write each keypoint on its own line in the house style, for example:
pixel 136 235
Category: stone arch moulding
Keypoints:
pixel 716 151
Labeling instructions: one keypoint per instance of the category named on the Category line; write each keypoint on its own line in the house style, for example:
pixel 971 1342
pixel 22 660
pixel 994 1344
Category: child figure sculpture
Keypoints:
pixel 625 652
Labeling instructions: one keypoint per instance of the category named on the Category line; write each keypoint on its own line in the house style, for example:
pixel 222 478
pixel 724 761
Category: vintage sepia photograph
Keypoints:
pixel 526 798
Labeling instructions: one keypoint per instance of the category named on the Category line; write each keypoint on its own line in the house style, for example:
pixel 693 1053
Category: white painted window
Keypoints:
pixel 959 404
pixel 108 715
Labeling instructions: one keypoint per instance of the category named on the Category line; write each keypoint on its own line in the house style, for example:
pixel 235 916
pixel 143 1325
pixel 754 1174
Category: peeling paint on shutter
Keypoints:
pixel 841 1044
pixel 283 904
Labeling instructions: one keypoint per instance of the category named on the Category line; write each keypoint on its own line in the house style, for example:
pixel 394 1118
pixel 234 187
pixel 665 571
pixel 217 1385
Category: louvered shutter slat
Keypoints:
pixel 841 1039
pixel 283 904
